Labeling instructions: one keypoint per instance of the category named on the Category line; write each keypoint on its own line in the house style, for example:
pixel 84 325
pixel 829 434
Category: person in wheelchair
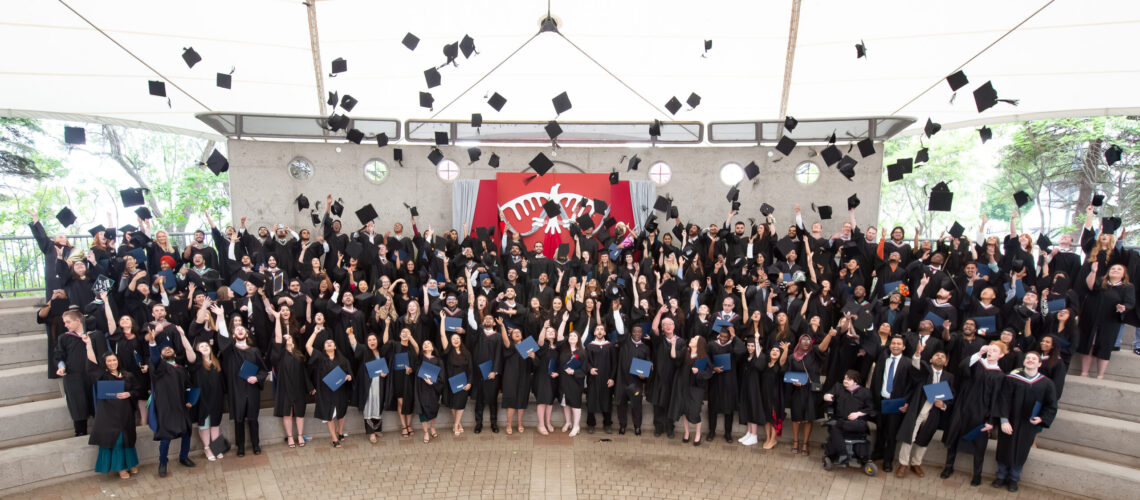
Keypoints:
pixel 847 438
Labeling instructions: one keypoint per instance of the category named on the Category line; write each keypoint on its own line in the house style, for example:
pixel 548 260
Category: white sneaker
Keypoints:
pixel 752 440
pixel 743 438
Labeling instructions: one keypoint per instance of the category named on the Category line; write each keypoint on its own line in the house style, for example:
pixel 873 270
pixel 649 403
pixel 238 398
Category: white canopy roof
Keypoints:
pixel 91 59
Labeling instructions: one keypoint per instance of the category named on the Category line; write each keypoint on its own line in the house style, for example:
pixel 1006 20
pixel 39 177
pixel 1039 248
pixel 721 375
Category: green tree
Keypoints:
pixel 18 155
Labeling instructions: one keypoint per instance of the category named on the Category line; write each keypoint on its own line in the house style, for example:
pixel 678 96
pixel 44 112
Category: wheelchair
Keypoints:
pixel 849 457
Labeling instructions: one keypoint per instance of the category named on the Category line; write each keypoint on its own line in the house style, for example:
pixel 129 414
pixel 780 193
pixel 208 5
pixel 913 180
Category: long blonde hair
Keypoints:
pixel 168 248
pixel 1097 247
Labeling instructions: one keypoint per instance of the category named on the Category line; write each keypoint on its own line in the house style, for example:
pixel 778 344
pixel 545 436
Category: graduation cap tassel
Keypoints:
pixel 952 97
pixel 1010 101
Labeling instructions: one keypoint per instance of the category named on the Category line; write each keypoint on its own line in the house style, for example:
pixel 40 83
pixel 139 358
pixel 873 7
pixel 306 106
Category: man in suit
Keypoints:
pixel 918 426
pixel 891 379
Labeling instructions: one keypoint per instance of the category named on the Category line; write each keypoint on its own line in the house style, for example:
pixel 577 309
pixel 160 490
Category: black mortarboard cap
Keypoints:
pixel 941 199
pixel 217 163
pixel 985 96
pixel 334 98
pixel 74 135
pixel 348 102
pixel 785 246
pixel 662 204
pixel 411 41
pixel 585 221
pixel 931 128
pixel 1109 225
pixel 451 51
pixel 337 208
pixel 674 212
pixel 894 172
pixel 191 56
pixel 354 249
pixel 708 45
pixel 985 133
pixel 109 233
pixel 96 230
pixel 853 202
pixel 600 206
pixel 956 230
pixel 922 156
pixel 366 213
pixel 441 139
pixel 1043 242
pixel 224 80
pixel 1021 198
pixel 426 100
pixel 435 156
pixel 140 239
pixel 866 147
pixel 144 213
pixel 561 103
pixel 786 145
pixel 482 233
pixel 751 170
pixel 563 250
pixel 831 139
pixel 790 123
pixel 831 155
pixel 634 161
pixel 316 218
pixel 766 209
pixel 381 139
pixel 467 46
pixel 1112 154
pixel 957 80
pixel 302 202
pixel 553 130
pixel 733 194
pixel 694 100
pixel 552 208
pixel 337 122
pixel 476 120
pixel 397 155
pixel 860 49
pixel 824 211
pixel 906 165
pixel 220 445
pixel 339 65
pixel 497 101
pixel 674 105
pixel 655 128
pixel 132 197
pixel 157 88
pixel 413 210
pixel 847 167
pixel 613 178
pixel 735 206
pixel 541 164
pixel 65 217
pixel 494 161
pixel 432 76
pixel 1097 200
pixel 354 136
pixel 474 154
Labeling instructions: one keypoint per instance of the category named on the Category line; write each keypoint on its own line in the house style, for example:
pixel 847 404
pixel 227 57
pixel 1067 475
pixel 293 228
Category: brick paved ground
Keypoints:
pixel 526 466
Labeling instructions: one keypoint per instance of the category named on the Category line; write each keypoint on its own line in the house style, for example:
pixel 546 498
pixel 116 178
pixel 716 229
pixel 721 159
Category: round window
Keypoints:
pixel 660 173
pixel 807 172
pixel 731 173
pixel 447 170
pixel 375 171
pixel 300 168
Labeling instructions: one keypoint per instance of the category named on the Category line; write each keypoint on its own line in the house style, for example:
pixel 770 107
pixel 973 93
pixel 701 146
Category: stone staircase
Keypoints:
pixel 1092 449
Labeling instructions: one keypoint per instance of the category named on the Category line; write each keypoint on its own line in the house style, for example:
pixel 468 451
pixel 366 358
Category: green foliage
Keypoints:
pixel 18 156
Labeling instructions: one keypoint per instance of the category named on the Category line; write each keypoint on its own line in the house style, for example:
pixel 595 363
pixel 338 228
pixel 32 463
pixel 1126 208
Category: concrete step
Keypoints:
pixel 1106 398
pixel 25 384
pixel 1092 436
pixel 34 422
pixel 21 302
pixel 22 350
pixel 1124 366
pixel 18 320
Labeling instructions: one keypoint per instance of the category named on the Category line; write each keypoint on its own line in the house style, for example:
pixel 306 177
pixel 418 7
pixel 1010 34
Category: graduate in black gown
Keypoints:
pixel 571 380
pixel 486 347
pixel 169 382
pixel 772 390
pixel 1110 297
pixel 923 418
pixel 805 358
pixel 975 409
pixel 71 363
pixel 403 381
pixel 206 375
pixel 371 394
pixel 331 403
pixel 428 392
pixel 1028 404
pixel 516 377
pixel 545 383
pixel 245 393
pixel 724 385
pixel 630 388
pixel 753 412
pixel 1053 364
pixel 600 366
pixel 292 382
pixel 690 384
pixel 664 370
pixel 457 360
pixel 114 429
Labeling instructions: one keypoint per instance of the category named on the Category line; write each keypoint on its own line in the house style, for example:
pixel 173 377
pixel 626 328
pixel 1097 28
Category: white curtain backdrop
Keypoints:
pixel 464 192
pixel 642 194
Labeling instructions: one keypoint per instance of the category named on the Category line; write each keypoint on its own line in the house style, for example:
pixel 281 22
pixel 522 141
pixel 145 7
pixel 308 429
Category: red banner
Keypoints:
pixel 521 196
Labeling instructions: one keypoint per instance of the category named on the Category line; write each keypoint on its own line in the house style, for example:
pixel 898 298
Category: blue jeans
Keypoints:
pixel 183 452
pixel 1005 472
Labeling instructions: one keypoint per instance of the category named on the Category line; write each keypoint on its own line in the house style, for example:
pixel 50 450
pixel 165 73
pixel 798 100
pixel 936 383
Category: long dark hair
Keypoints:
pixel 702 351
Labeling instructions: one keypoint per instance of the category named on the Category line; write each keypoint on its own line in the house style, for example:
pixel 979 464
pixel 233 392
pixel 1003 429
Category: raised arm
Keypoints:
pixel 107 311
pixel 309 343
pixel 191 356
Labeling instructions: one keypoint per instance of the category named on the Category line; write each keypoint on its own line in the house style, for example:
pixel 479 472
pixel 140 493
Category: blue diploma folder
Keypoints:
pixel 724 361
pixel 938 392
pixel 247 370
pixel 1056 305
pixel 192 395
pixel 552 366
pixel 1019 292
pixel 796 377
pixel 574 364
pixel 486 368
pixel 527 346
pixel 891 287
pixel 720 324
pixel 701 364
pixel 109 389
pixel 640 367
pixel 401 361
pixel 987 323
pixel 457 382
pixel 452 324
pixel 890 406
pixel 335 378
pixel 1036 410
pixel 974 433
pixel 238 287
pixel 934 318
pixel 169 283
pixel 377 367
pixel 428 372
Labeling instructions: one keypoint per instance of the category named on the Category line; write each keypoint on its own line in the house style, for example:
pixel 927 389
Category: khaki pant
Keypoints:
pixel 910 454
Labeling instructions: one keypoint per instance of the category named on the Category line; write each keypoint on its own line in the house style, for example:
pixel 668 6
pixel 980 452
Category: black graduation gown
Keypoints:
pixel 689 389
pixel 455 365
pixel 571 385
pixel 169 383
pixel 343 320
pixel 1020 393
pixel 628 350
pixel 976 400
pixel 291 383
pixel 114 417
pixel 772 389
pixel 1100 323
pixel 801 400
pixel 724 387
pixel 751 401
pixel 72 352
pixel 603 357
pixel 516 378
pixel 362 386
pixel 934 416
pixel 664 371
pixel 486 348
pixel 245 398
pixel 211 395
pixel 403 384
pixel 328 400
pixel 427 395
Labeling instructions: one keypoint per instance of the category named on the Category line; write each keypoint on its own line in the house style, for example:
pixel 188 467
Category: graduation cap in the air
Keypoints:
pixel 651 223
pixel 411 41
pixel 224 80
pixel 766 209
pixel 673 212
pixel 957 80
pixel 381 139
pixel 65 217
pixel 348 102
pixel 931 128
pixel 128 228
pixel 733 194
pixel 96 230
pixel 662 204
pixel 655 129
pixel 600 206
pixel 790 123
pixel 956 230
pixel 144 213
pixel 451 52
pixel 674 105
pixel 413 210
pixel 831 155
pixel 398 156
pixel 866 147
pixel 426 100
pixel 157 88
pixel 354 136
pixel 922 156
pixel 985 97
pixel 435 156
pixel 333 99
pixel 894 172
pixel 1021 198
pixel 217 163
pixel 693 101
pixel 1109 225
pixel 853 202
pixel 786 145
pixel 1112 154
pixel 493 161
pixel 474 154
pixel 432 76
pixel 1097 200
pixel 190 56
pixel 337 122
pixel 708 46
pixel 337 207
pixel 634 162
pixel 847 167
pixel 467 46
pixel 132 197
pixel 476 120
pixel 860 50
pixel 552 208
pixel 751 170
pixel 140 239
pixel 906 165
pixel 941 199
pixel 316 218
pixel 785 246
pixel 561 103
pixel 497 101
pixel 74 135
pixel 553 130
pixel 1043 242
pixel 339 65
pixel 613 178
pixel 541 164
pixel 985 133
pixel 585 221
pixel 302 202
pixel 441 139
pixel 366 214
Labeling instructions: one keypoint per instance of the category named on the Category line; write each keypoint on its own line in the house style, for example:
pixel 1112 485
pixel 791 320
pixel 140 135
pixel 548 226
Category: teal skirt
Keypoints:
pixel 116 459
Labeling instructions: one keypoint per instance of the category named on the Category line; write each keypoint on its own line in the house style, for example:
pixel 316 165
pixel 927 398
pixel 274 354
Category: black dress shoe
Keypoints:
pixel 1012 487
pixel 637 431
pixel 888 466
pixel 656 432
pixel 241 452
pixel 711 434
pixel 608 429
pixel 256 450
pixel 671 434
pixel 590 430
pixel 621 430
pixel 495 428
pixel 186 462
pixel 478 428
pixel 998 483
pixel 162 469
pixel 728 438
pixel 946 472
pixel 976 481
